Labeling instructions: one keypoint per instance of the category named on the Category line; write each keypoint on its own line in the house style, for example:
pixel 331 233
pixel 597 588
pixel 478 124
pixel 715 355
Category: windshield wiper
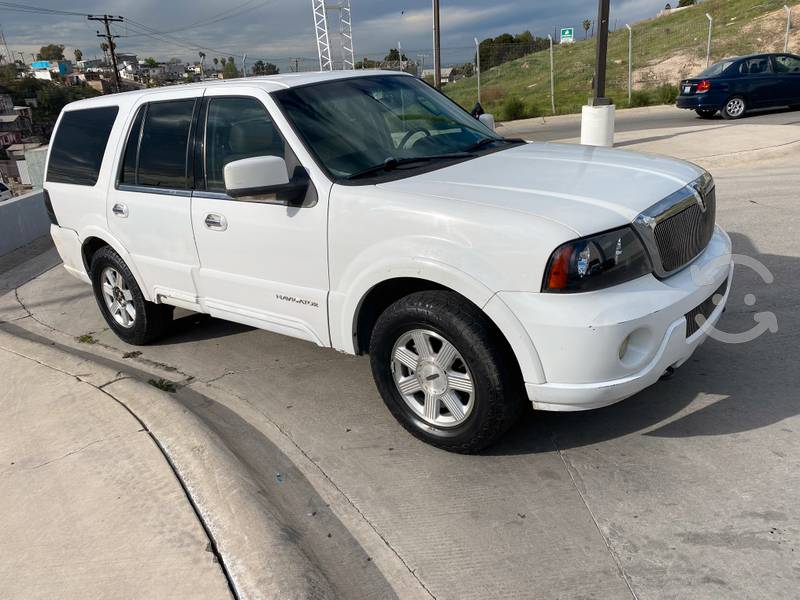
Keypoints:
pixel 391 163
pixel 486 141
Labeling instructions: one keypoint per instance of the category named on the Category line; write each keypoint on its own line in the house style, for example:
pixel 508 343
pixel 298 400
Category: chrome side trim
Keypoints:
pixel 144 189
pixel 646 222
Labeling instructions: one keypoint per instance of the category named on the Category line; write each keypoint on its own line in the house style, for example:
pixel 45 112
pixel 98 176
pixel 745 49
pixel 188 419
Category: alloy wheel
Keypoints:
pixel 118 297
pixel 433 378
pixel 735 107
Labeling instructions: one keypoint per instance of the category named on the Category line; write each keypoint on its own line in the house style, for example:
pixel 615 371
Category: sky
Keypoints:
pixel 281 30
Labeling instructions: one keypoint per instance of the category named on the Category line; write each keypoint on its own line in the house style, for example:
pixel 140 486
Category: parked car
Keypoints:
pixel 366 212
pixel 736 85
pixel 5 192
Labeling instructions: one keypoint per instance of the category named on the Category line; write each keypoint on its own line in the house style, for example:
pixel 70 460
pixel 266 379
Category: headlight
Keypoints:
pixel 596 262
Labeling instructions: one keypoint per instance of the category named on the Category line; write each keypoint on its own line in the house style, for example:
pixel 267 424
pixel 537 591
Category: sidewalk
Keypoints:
pixel 89 506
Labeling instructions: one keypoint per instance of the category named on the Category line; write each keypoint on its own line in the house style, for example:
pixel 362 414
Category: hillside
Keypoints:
pixel 665 49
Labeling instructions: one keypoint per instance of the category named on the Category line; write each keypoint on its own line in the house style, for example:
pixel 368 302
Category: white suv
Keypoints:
pixel 366 212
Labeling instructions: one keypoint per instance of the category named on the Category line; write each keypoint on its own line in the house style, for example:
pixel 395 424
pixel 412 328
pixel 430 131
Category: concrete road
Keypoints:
pixel 690 489
pixel 566 127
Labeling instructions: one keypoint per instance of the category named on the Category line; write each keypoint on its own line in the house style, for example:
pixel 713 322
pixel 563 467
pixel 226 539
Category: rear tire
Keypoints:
pixel 706 113
pixel 134 319
pixel 734 108
pixel 462 389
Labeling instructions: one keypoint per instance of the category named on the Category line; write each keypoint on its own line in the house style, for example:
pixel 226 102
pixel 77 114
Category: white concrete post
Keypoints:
pixel 788 10
pixel 630 63
pixel 244 65
pixel 552 81
pixel 478 66
pixel 708 51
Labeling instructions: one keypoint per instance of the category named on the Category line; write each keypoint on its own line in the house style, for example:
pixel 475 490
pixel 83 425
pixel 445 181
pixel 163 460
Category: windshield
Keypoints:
pixel 716 69
pixel 354 126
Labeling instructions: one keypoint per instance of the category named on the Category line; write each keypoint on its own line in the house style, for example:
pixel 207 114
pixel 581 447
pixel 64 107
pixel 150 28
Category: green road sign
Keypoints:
pixel 567 34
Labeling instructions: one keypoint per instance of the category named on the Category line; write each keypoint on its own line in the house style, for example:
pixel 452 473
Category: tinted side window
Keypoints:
pixel 237 128
pixel 79 145
pixel 755 66
pixel 163 148
pixel 787 64
pixel 128 174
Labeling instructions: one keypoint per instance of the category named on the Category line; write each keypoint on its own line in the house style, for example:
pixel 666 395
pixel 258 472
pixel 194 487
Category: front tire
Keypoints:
pixel 134 319
pixel 734 108
pixel 445 371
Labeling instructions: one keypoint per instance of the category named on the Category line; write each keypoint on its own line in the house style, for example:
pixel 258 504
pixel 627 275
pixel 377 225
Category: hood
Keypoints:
pixel 584 188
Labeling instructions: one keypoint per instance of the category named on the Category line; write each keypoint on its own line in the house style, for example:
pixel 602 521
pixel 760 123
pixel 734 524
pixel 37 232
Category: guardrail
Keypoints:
pixel 22 220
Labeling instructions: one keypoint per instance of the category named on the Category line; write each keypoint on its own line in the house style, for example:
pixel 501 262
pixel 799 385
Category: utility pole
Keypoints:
pixel 106 20
pixel 598 116
pixel 599 97
pixel 437 50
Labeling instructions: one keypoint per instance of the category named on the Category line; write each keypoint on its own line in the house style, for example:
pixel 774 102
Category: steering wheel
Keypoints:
pixel 410 134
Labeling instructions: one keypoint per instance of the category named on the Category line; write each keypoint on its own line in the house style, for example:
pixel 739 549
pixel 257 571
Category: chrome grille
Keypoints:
pixel 677 230
pixel 682 237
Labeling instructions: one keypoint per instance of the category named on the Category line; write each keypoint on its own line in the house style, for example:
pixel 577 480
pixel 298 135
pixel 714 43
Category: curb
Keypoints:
pixel 257 553
pixel 720 160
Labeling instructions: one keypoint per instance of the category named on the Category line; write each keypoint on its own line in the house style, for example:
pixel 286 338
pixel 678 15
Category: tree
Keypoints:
pixel 216 62
pixel 151 62
pixel 394 56
pixel 229 70
pixel 78 55
pixel 222 61
pixel 8 72
pixel 262 68
pixel 51 52
pixel 682 3
pixel 587 25
pixel 104 48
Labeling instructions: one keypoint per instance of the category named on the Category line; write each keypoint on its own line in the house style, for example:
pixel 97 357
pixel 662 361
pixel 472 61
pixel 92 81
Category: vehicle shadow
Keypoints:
pixel 723 389
pixel 195 327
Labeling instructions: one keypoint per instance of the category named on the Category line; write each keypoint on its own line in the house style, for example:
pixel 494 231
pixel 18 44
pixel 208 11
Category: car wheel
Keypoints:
pixel 445 371
pixel 134 319
pixel 706 113
pixel 734 108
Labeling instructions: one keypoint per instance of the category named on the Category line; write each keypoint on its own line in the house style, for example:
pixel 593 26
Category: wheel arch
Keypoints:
pixel 385 292
pixel 93 240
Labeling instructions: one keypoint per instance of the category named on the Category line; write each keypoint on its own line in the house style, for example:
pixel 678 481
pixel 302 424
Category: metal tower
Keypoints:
pixel 345 32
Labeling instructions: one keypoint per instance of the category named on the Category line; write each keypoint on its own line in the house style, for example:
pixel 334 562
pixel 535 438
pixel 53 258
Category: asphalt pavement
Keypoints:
pixel 650 118
pixel 689 489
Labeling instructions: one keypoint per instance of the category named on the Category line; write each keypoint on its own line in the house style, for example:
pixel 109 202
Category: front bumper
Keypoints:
pixel 601 347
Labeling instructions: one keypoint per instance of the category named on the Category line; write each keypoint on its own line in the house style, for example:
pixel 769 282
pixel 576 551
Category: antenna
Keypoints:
pixel 345 32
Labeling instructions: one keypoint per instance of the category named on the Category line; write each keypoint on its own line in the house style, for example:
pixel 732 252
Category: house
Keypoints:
pixel 51 69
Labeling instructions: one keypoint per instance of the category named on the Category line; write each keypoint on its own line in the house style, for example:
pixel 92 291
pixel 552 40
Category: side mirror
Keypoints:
pixel 265 176
pixel 488 120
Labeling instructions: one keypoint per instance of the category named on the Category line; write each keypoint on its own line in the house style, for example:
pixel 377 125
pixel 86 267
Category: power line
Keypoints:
pixel 229 14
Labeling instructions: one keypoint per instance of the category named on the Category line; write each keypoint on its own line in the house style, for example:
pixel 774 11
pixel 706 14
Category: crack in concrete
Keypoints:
pixel 76 451
pixel 572 472
pixel 335 486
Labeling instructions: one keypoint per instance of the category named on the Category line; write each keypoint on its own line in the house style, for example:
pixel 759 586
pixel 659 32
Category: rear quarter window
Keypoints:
pixel 79 145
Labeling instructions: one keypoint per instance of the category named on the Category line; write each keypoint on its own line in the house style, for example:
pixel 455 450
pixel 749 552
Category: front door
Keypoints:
pixel 787 68
pixel 262 262
pixel 149 205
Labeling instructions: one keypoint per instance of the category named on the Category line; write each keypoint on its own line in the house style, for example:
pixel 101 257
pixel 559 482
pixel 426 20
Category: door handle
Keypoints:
pixel 216 222
pixel 120 209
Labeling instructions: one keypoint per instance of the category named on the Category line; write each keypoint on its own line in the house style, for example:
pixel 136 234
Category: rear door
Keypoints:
pixel 787 69
pixel 262 262
pixel 149 206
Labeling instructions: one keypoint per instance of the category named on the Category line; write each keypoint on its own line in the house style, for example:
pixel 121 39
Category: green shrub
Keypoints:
pixel 640 98
pixel 512 108
pixel 665 94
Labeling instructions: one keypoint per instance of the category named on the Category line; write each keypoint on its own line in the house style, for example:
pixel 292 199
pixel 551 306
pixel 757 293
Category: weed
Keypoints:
pixel 164 384
pixel 86 338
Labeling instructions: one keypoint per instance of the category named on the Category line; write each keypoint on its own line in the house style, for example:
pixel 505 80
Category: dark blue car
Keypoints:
pixel 737 85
